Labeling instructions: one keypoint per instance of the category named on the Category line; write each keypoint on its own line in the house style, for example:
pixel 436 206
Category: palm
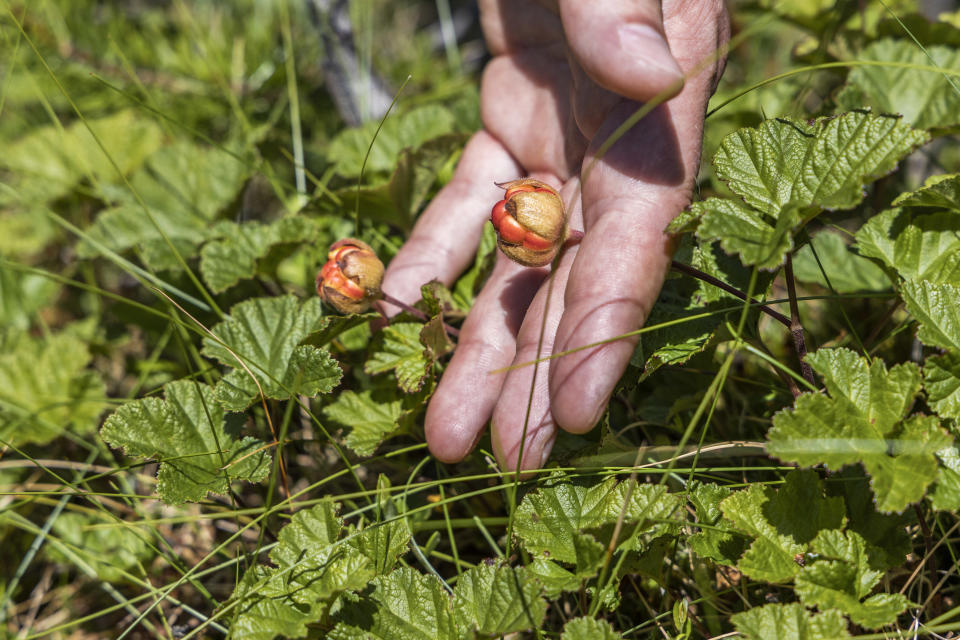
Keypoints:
pixel 545 116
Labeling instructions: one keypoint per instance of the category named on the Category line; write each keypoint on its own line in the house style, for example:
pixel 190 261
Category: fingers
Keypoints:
pixel 467 392
pixel 628 198
pixel 526 107
pixel 446 235
pixel 621 45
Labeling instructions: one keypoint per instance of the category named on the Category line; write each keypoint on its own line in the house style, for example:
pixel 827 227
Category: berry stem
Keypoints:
pixel 700 275
pixel 416 313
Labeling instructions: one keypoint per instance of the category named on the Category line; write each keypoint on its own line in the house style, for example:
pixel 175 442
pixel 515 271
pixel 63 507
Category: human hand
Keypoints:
pixel 564 76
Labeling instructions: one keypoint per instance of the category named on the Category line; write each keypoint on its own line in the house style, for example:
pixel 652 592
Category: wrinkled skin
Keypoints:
pixel 561 80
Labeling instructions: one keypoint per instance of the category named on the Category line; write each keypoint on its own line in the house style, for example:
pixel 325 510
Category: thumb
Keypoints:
pixel 621 45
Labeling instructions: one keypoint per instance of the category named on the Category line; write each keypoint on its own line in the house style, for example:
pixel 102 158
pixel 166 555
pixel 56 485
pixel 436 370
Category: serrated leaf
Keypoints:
pixel 790 622
pixel 264 617
pixel 398 349
pixel 265 334
pixel 939 191
pixel 852 549
pixel 745 231
pixel 403 605
pixel 926 98
pixel 498 600
pixel 863 421
pixel 549 519
pixel 847 271
pixel 312 570
pixel 924 247
pixel 184 186
pixel 309 371
pixel 770 556
pixel 825 164
pixel 937 308
pixel 197 445
pixel 589 629
pixel 370 421
pixel 778 528
pixel 233 257
pixel 829 584
pixel 46 388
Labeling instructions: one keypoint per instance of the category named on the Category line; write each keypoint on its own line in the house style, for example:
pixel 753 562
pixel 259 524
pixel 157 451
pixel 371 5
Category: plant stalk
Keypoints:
pixel 796 327
pixel 416 313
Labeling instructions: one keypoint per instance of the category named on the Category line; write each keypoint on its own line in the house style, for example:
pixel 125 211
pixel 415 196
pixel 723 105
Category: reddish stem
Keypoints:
pixel 416 313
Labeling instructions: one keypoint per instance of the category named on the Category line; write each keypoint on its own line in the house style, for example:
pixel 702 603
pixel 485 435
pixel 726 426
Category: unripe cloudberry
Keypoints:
pixel 530 221
pixel 350 280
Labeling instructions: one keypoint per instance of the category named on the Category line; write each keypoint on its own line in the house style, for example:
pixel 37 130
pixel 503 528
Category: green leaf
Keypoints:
pixel 263 617
pixel 779 529
pixel 198 447
pixel 554 578
pixel 411 129
pixel 382 543
pixel 46 388
pixel 939 191
pixel 330 327
pixel 946 495
pixel 847 271
pixel 224 262
pixel 829 584
pixel 717 538
pixel 184 187
pixel 22 294
pixel 925 98
pixel 885 533
pixel 935 307
pixel 312 570
pixel 746 232
pixel 790 622
pixel 398 349
pixel 469 284
pixel 370 421
pixel 403 605
pixel 550 519
pixel 941 379
pixel 852 549
pixel 264 333
pixel 108 550
pixel 863 421
pixel 589 629
pixel 925 247
pixel 49 161
pixel 498 600
pixel 826 163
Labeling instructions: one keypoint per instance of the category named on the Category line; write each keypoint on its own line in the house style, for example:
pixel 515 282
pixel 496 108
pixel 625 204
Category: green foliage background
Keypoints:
pixel 193 447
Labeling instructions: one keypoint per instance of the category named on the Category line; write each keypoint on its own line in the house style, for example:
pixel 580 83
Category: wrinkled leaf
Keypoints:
pixel 790 622
pixel 265 333
pixel 199 448
pixel 863 420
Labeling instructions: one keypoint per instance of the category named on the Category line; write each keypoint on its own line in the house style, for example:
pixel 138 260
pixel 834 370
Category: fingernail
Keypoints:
pixel 645 46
